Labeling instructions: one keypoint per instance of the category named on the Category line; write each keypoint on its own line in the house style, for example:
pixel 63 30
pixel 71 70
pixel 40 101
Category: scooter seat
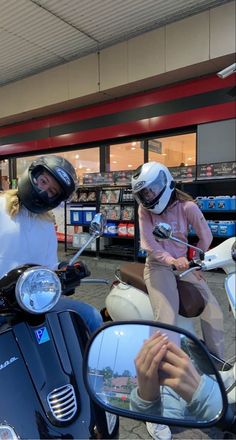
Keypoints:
pixel 132 274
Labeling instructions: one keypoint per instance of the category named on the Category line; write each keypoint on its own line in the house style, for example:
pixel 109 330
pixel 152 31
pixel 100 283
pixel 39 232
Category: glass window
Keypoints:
pixel 126 156
pixel 84 161
pixel 173 151
pixel 4 175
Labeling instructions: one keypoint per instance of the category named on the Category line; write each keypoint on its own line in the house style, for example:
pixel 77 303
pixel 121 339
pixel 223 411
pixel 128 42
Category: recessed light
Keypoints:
pixel 130 166
pixel 77 156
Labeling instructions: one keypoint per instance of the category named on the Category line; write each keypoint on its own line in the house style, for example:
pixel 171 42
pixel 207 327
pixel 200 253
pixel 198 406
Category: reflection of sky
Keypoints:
pixel 117 346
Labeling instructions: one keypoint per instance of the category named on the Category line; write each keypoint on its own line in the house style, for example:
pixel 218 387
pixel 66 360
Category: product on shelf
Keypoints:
pixel 122 230
pixel 216 203
pixel 111 212
pixel 127 195
pixel 91 196
pixel 127 213
pixel 130 229
pixel 110 229
pixel 82 196
pixel 110 196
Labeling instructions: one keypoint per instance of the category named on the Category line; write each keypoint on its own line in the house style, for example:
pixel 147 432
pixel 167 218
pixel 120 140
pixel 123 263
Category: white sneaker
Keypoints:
pixel 158 432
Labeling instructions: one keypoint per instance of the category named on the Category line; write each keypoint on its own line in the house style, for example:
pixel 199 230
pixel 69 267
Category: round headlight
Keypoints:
pixel 38 289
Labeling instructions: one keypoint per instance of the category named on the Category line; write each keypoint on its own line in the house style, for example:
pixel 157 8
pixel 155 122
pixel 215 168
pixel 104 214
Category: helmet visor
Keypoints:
pixel 150 195
pixel 44 181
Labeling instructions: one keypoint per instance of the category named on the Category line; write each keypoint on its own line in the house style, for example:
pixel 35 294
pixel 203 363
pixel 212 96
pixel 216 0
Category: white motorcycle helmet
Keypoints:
pixel 152 186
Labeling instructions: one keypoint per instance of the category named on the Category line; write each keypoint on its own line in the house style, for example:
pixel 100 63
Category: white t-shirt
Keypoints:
pixel 25 238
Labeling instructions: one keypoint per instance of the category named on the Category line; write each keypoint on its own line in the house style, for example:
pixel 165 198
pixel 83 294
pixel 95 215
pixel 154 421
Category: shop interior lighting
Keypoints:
pixel 227 71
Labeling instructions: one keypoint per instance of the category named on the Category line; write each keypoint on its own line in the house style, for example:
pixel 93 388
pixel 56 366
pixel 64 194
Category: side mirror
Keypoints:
pixel 114 381
pixel 97 225
pixel 162 231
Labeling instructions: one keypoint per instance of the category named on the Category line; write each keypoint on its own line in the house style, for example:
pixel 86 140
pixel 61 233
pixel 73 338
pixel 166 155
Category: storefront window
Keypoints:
pixel 173 151
pixel 4 175
pixel 126 156
pixel 84 161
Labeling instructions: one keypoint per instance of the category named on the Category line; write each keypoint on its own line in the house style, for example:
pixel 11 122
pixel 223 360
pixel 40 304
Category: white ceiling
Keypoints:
pixel 36 35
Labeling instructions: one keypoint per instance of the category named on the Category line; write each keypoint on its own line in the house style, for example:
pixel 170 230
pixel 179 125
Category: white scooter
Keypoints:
pixel 128 298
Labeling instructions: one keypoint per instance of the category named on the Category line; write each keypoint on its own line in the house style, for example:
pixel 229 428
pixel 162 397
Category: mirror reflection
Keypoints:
pixel 153 371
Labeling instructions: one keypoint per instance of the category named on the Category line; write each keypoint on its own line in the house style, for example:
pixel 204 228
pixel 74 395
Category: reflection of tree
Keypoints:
pixel 107 375
pixel 126 373
pixel 130 385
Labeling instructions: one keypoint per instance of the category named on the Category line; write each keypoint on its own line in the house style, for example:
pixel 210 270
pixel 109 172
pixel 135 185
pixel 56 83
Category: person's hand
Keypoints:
pixel 180 263
pixel 179 372
pixel 147 363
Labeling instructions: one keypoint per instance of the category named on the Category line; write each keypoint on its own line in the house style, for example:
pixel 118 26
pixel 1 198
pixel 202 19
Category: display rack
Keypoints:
pixel 121 235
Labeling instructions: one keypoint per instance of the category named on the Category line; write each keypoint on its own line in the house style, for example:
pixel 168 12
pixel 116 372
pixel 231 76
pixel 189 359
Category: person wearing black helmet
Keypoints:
pixel 27 232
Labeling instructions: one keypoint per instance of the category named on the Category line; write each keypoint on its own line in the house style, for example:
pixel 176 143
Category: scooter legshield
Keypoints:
pixel 39 362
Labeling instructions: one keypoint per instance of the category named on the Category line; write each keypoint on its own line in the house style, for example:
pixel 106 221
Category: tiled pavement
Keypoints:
pixel 95 295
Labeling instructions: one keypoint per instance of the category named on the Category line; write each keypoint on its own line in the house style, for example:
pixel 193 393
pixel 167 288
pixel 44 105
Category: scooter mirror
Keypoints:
pixel 97 225
pixel 154 372
pixel 162 231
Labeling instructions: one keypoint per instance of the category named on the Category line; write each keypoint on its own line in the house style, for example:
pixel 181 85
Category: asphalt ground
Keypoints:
pixel 96 294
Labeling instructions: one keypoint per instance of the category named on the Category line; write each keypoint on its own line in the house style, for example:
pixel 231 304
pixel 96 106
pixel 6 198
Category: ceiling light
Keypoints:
pixel 114 161
pixel 77 156
pixel 133 144
pixel 88 169
pixel 133 148
pixel 227 71
pixel 130 166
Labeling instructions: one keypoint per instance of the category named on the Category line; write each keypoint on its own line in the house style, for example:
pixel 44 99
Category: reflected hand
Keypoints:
pixel 147 363
pixel 180 374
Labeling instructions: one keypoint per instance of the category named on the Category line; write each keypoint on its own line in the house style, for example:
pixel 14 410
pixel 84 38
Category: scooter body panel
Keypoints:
pixel 36 360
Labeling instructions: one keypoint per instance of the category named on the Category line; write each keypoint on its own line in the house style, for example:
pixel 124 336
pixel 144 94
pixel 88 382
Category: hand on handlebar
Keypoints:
pixel 70 276
pixel 180 263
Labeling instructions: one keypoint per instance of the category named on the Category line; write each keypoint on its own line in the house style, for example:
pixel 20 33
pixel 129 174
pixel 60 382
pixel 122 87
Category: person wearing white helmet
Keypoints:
pixel 160 201
pixel 27 232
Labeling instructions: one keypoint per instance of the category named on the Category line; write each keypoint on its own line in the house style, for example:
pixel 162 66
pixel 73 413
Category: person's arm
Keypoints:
pixel 206 403
pixel 153 407
pixel 197 220
pixel 201 393
pixel 147 239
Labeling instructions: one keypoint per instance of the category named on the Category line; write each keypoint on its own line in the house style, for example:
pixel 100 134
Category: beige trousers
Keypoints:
pixel 164 297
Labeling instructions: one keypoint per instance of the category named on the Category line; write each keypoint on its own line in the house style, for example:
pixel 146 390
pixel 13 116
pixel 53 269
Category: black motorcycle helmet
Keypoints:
pixel 37 200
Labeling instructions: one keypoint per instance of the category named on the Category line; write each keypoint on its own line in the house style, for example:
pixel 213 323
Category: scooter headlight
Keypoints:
pixel 38 289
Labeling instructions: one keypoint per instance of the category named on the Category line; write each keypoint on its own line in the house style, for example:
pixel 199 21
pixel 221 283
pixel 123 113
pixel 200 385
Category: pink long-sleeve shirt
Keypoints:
pixel 180 215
